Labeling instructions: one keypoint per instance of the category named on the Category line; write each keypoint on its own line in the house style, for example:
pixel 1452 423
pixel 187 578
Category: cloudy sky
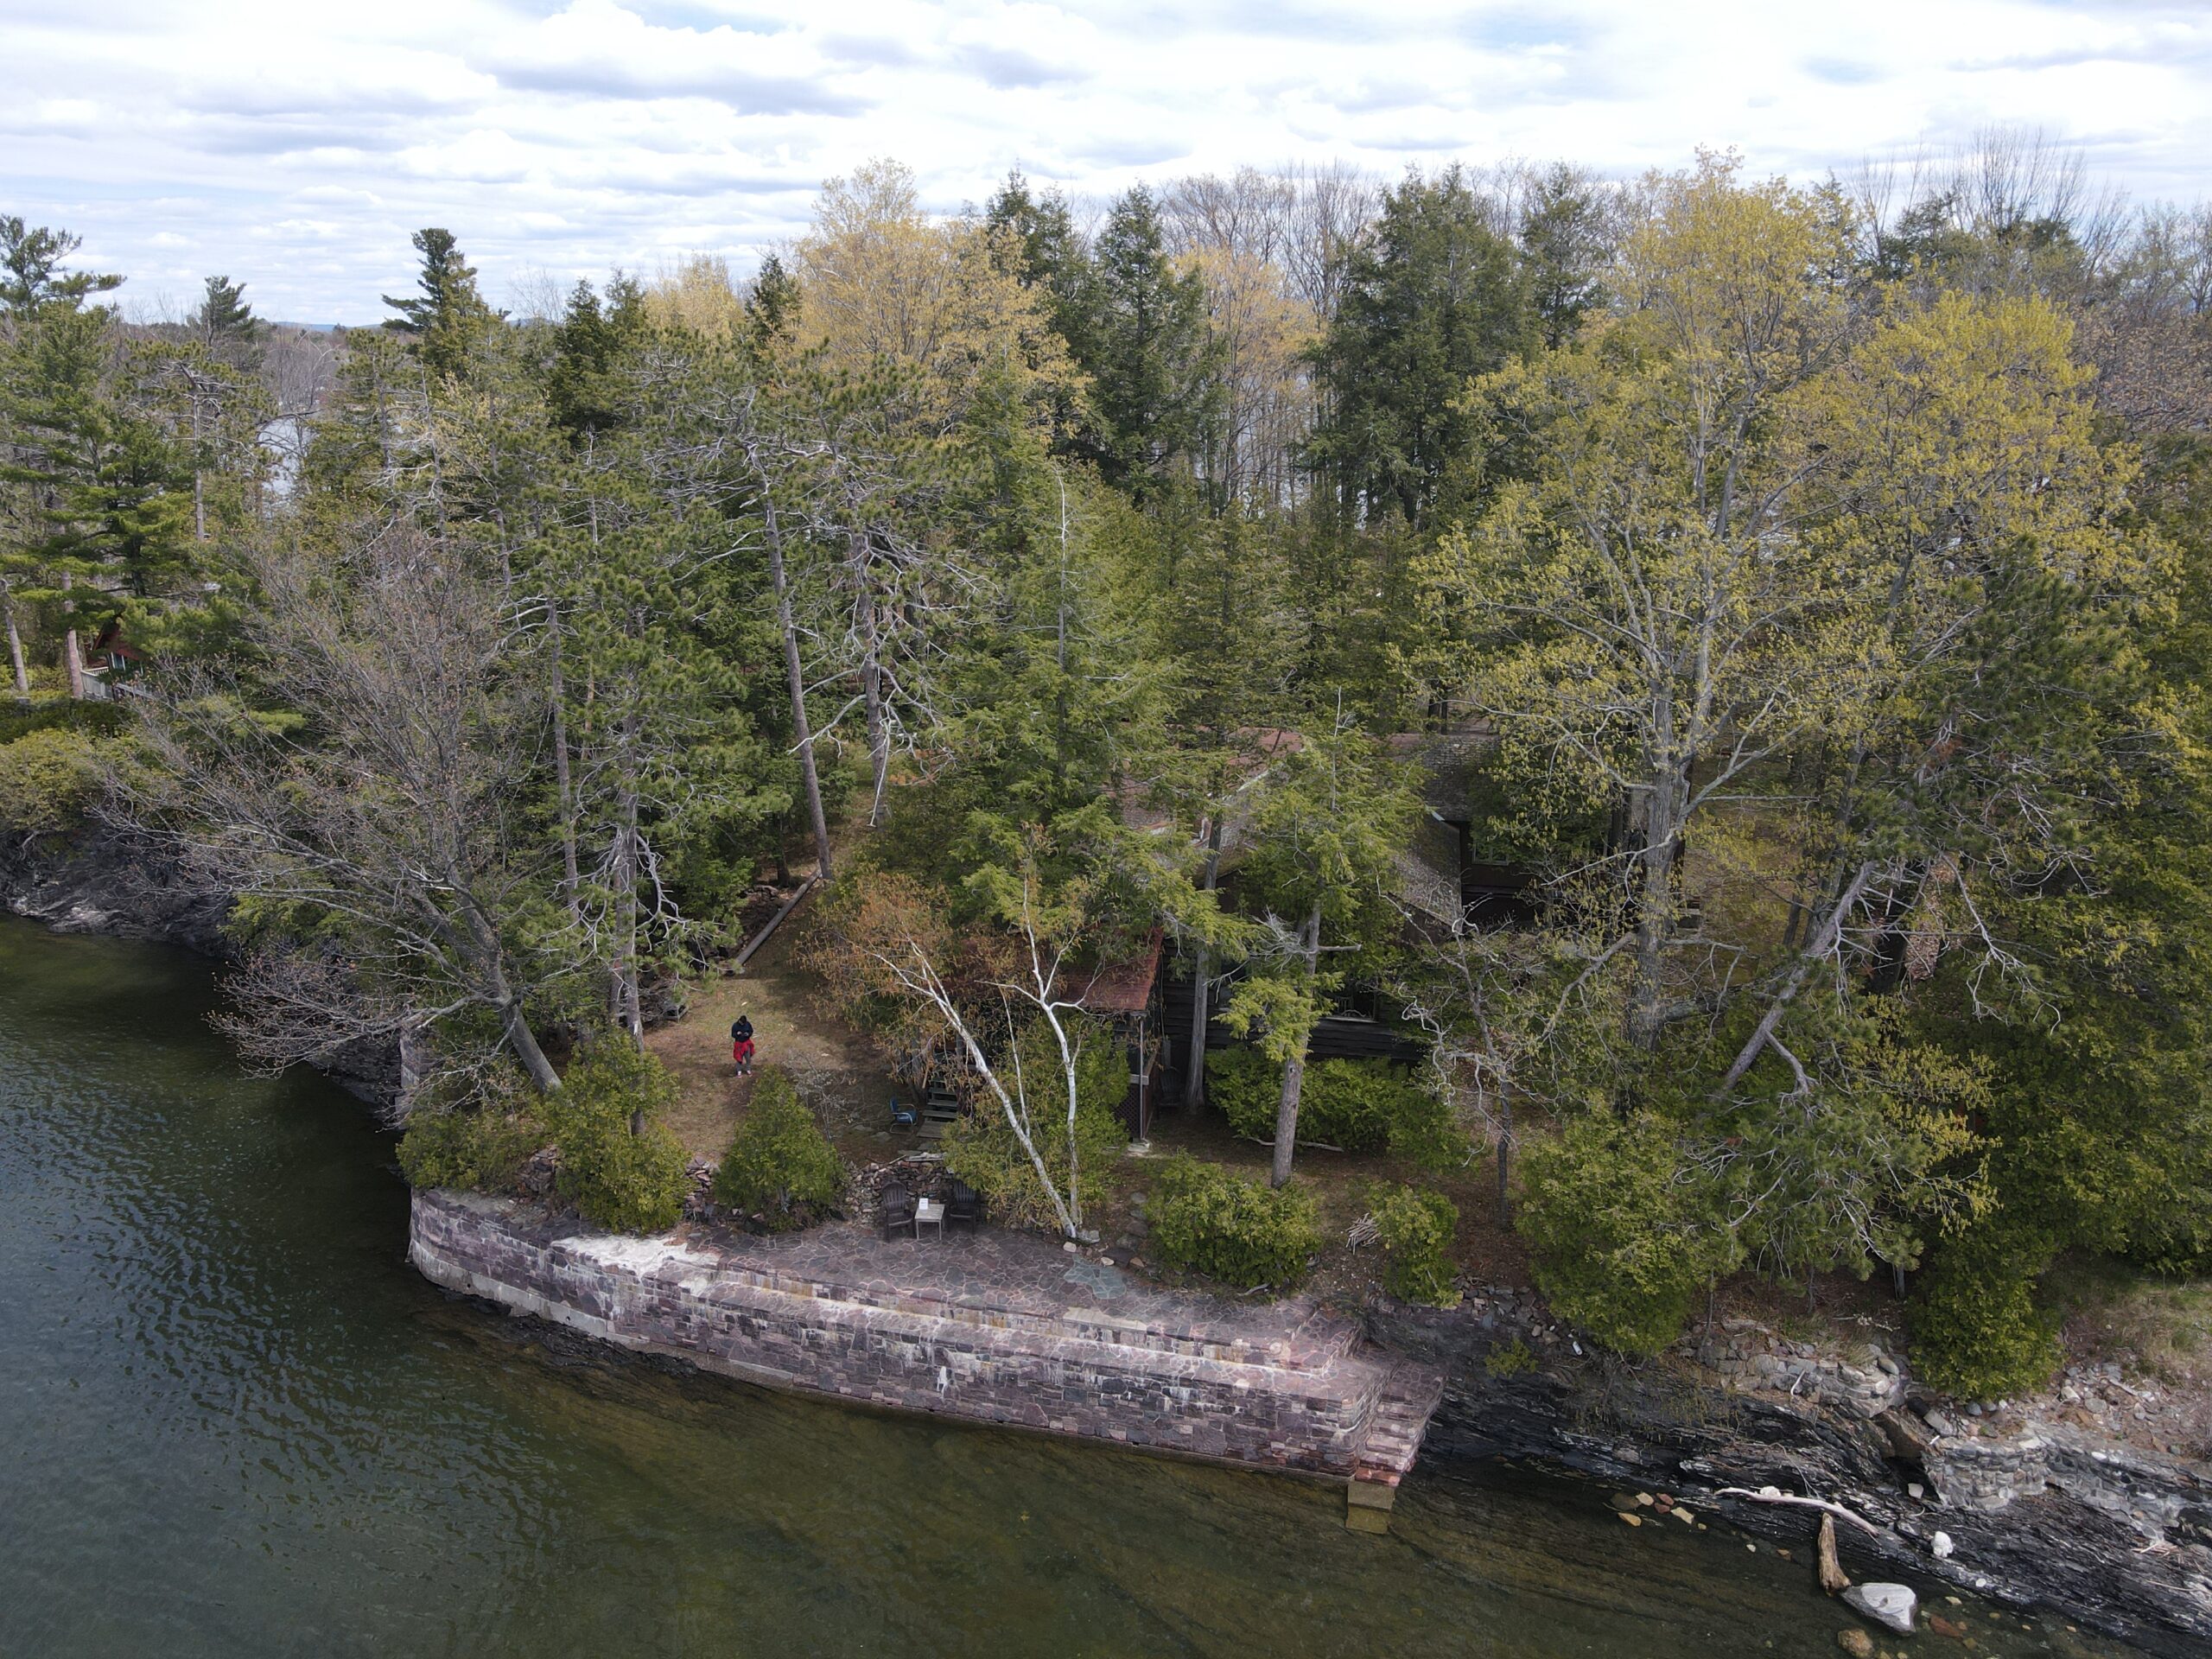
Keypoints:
pixel 295 146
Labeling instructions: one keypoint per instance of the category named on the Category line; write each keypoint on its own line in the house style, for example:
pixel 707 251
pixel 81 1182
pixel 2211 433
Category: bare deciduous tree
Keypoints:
pixel 370 815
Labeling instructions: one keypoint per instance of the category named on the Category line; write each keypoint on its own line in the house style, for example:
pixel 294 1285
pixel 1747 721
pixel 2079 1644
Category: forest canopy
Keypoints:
pixel 1808 579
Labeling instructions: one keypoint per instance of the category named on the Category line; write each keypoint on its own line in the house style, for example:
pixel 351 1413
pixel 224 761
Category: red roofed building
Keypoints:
pixel 1127 992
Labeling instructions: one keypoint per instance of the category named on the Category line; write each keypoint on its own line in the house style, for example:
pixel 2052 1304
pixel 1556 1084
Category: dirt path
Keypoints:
pixel 834 1064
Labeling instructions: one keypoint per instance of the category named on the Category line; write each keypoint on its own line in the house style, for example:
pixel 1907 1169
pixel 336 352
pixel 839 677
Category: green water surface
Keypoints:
pixel 234 1421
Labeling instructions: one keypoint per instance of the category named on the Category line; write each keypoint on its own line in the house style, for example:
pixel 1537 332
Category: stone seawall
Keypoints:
pixel 995 1329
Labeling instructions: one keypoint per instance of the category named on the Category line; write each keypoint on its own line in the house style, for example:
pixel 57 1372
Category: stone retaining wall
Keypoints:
pixel 726 1310
pixel 2155 1495
pixel 1868 1382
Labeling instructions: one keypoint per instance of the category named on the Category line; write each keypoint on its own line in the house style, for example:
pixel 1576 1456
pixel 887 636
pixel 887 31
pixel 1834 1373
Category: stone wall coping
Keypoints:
pixel 1026 1291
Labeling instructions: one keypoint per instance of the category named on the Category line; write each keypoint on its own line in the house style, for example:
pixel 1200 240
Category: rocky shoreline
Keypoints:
pixel 2050 1519
pixel 2047 1517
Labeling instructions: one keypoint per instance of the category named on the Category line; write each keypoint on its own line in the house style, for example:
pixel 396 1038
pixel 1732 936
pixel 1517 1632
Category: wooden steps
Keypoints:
pixel 940 1111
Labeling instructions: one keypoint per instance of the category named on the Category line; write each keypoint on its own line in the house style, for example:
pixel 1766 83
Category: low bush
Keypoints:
pixel 49 778
pixel 1415 1227
pixel 620 1165
pixel 781 1167
pixel 1621 1242
pixel 981 1150
pixel 1514 1358
pixel 1244 1085
pixel 62 714
pixel 1976 1331
pixel 482 1149
pixel 1352 1105
pixel 1206 1219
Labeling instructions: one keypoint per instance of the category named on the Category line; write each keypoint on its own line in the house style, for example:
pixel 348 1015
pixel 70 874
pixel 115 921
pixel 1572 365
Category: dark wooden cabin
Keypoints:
pixel 1441 882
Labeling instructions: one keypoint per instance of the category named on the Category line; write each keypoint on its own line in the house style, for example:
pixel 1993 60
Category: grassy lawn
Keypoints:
pixel 2154 1326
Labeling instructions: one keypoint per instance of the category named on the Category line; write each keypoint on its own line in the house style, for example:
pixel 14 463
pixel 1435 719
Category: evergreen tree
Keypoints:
pixel 1142 338
pixel 1565 239
pixel 109 489
pixel 1433 298
pixel 1039 234
pixel 448 316
pixel 771 308
pixel 1332 814
pixel 31 258
pixel 582 390
pixel 224 322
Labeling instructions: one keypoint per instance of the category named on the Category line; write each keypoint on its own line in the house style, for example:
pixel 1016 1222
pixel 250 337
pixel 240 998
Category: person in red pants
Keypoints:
pixel 741 1044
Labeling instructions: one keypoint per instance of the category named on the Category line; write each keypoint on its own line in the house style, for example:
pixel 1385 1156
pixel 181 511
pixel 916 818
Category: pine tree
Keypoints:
pixel 448 316
pixel 225 323
pixel 31 258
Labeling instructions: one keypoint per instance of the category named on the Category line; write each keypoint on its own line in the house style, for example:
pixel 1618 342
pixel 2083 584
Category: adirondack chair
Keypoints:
pixel 897 1211
pixel 965 1207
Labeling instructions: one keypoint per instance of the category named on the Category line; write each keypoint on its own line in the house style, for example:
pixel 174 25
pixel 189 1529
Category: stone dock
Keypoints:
pixel 995 1327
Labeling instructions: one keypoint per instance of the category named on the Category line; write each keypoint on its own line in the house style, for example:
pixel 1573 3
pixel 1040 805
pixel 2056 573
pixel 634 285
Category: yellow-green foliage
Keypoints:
pixel 1353 1105
pixel 1621 1242
pixel 483 1149
pixel 1416 1226
pixel 1208 1220
pixel 1976 1331
pixel 48 780
pixel 1512 1359
pixel 779 1168
pixel 633 1182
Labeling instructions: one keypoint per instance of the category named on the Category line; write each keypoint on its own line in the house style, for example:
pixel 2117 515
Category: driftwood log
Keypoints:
pixel 1832 1575
pixel 1776 1495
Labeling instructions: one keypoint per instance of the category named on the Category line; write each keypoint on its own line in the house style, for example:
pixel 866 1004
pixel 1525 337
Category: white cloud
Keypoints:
pixel 296 146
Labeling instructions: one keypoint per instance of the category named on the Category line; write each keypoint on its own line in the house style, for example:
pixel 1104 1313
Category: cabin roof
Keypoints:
pixel 111 638
pixel 1125 986
pixel 1447 760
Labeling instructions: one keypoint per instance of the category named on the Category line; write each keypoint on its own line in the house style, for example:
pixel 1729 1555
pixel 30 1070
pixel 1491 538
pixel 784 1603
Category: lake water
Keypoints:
pixel 234 1421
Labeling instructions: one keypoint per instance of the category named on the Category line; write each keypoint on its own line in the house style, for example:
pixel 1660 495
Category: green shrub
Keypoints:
pixel 1976 1331
pixel 1514 1358
pixel 481 1149
pixel 1352 1105
pixel 633 1182
pixel 61 713
pixel 49 778
pixel 1621 1238
pixel 1421 1128
pixel 779 1165
pixel 1415 1227
pixel 1208 1220
pixel 1244 1086
pixel 981 1148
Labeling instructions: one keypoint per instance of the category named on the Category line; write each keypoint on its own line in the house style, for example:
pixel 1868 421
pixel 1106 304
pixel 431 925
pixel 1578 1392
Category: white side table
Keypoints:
pixel 928 1212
